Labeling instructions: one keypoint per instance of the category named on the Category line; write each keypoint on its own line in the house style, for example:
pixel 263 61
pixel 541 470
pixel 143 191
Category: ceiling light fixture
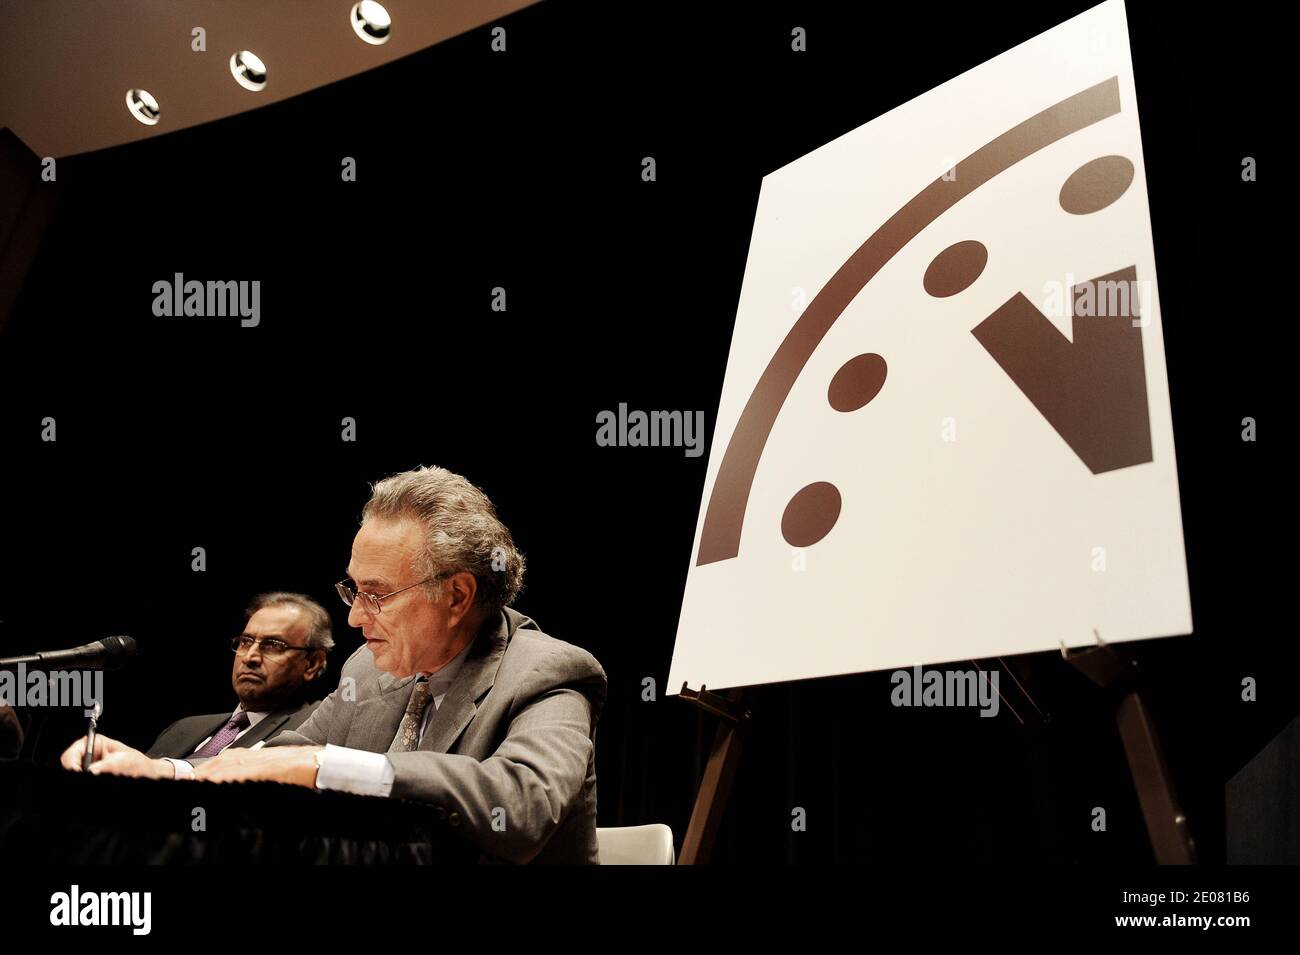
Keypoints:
pixel 371 21
pixel 143 106
pixel 249 70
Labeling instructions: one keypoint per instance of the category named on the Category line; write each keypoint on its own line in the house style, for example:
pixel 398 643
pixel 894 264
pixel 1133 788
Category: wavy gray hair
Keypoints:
pixel 461 531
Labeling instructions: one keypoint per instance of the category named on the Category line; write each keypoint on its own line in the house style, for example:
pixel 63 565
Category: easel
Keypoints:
pixel 733 714
pixel 1166 823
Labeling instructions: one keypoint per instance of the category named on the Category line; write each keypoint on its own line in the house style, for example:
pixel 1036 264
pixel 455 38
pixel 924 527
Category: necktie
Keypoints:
pixel 224 736
pixel 408 731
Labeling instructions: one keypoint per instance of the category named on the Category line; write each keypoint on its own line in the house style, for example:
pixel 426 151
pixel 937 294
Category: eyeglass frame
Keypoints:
pixel 373 599
pixel 236 645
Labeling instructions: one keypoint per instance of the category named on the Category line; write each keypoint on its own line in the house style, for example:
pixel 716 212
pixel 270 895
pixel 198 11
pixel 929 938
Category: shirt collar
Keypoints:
pixel 253 718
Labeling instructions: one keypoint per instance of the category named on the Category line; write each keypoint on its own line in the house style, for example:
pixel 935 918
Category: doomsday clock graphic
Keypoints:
pixel 944 430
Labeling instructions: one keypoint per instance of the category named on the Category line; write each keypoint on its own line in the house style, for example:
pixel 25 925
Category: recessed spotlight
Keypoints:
pixel 143 106
pixel 371 21
pixel 249 70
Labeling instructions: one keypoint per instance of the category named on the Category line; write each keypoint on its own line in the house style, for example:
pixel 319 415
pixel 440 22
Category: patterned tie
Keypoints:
pixel 225 736
pixel 408 732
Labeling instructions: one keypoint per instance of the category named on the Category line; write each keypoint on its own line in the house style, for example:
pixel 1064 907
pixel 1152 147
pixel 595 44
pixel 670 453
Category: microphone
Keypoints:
pixel 107 654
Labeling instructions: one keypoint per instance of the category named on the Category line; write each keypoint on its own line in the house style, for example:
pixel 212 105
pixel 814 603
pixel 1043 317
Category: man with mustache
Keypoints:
pixel 278 657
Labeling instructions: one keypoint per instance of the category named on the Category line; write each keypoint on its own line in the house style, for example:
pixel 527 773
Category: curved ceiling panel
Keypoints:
pixel 68 65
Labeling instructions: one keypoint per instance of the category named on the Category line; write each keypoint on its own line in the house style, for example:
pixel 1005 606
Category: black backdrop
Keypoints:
pixel 523 171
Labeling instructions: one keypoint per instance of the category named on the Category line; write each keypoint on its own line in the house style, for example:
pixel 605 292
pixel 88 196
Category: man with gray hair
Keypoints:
pixel 456 699
pixel 277 659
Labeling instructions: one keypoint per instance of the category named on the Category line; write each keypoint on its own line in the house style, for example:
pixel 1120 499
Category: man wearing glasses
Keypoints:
pixel 277 659
pixel 456 699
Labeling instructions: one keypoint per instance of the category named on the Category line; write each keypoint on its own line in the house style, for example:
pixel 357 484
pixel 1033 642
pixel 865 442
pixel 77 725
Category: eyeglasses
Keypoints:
pixel 350 593
pixel 270 646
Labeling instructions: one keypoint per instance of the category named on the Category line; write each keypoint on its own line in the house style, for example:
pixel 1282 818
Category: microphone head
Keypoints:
pixel 117 650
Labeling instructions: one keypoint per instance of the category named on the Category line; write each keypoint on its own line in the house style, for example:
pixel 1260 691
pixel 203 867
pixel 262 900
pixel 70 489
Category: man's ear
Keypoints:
pixel 462 589
pixel 316 661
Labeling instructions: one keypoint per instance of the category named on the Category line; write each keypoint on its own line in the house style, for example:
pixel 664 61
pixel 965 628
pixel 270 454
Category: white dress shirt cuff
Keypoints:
pixel 355 771
pixel 184 770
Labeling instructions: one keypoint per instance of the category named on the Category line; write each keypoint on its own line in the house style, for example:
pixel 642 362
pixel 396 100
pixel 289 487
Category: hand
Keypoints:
pixel 282 764
pixel 112 756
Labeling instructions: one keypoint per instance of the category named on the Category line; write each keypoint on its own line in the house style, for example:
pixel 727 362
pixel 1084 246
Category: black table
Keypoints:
pixel 58 817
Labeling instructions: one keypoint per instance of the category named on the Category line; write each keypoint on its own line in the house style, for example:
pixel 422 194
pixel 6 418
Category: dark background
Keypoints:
pixel 523 171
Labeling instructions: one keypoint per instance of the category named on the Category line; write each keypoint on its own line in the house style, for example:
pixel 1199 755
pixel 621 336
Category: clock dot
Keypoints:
pixel 955 268
pixel 1096 184
pixel 811 514
pixel 857 382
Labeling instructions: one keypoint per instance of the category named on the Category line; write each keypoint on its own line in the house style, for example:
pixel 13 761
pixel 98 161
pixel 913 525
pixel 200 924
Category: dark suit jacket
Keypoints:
pixel 510 754
pixel 183 737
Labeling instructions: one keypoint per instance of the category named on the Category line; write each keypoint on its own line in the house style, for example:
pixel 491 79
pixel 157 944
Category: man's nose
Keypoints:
pixel 357 614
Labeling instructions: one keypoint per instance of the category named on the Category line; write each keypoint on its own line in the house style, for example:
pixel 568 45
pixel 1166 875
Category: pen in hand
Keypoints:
pixel 88 756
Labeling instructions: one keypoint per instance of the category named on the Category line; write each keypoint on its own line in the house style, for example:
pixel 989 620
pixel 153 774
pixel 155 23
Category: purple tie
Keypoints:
pixel 225 736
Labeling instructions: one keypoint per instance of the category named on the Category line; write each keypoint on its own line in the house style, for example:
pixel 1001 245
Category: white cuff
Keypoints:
pixel 183 769
pixel 354 771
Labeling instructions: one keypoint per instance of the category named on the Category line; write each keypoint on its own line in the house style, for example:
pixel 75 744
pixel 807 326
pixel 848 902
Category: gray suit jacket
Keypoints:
pixel 183 737
pixel 511 752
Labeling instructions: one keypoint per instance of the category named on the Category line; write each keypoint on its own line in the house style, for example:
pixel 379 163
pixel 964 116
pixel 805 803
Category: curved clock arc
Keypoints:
pixel 729 498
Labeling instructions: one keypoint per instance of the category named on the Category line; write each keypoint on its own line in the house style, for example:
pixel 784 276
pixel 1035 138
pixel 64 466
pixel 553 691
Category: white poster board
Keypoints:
pixel 940 437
